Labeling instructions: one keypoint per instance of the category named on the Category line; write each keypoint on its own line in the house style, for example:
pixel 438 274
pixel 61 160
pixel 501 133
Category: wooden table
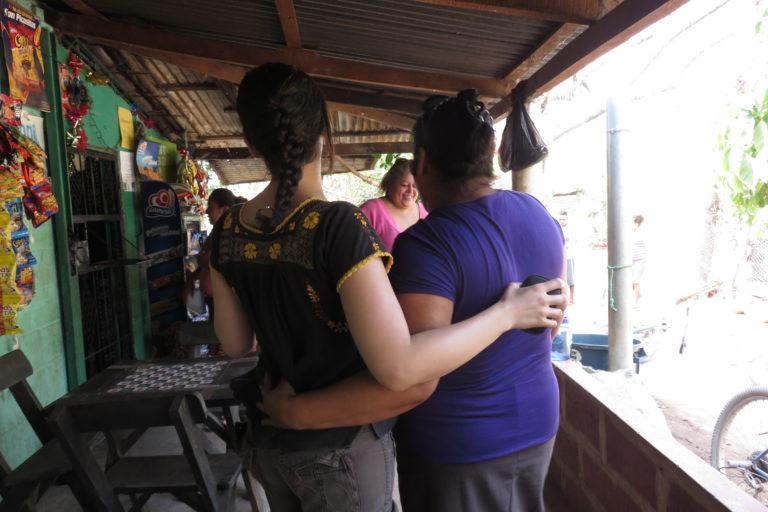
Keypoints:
pixel 208 377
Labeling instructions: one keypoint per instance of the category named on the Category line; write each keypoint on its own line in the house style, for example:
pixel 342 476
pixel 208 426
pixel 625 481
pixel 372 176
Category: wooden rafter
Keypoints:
pixel 564 33
pixel 382 116
pixel 564 11
pixel 621 23
pixel 355 172
pixel 287 14
pixel 351 149
pixel 205 86
pixel 83 8
pixel 227 61
pixel 382 101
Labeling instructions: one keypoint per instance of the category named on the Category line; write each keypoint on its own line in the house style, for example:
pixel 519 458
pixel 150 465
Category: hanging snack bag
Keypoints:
pixel 16 210
pixel 20 245
pixel 5 230
pixel 10 300
pixel 25 283
pixel 11 183
pixel 7 268
pixel 40 203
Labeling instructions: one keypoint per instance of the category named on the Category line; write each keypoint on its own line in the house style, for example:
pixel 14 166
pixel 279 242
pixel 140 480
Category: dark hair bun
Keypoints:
pixel 458 137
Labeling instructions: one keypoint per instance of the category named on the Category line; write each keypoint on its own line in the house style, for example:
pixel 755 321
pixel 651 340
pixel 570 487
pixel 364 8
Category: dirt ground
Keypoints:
pixel 727 352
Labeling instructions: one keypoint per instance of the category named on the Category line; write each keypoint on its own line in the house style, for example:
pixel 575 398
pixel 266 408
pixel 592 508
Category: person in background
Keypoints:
pixel 309 276
pixel 569 265
pixel 220 201
pixel 483 440
pixel 639 255
pixel 398 209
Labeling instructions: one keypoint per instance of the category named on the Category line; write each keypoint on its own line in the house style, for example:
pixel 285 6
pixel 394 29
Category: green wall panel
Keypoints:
pixel 43 344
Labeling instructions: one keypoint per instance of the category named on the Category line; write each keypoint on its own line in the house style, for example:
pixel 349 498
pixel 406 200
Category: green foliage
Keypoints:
pixel 745 157
pixel 745 160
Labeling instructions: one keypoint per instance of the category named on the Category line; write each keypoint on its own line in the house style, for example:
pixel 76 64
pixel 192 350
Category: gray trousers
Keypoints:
pixel 514 483
pixel 354 479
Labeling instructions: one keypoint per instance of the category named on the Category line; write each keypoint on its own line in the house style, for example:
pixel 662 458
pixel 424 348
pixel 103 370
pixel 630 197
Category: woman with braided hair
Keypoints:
pixel 308 277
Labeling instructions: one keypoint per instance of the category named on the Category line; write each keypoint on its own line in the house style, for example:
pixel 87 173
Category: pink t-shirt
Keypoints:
pixel 381 220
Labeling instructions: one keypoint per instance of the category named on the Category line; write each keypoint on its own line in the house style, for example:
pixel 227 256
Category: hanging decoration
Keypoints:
pixel 96 77
pixel 75 99
pixel 194 179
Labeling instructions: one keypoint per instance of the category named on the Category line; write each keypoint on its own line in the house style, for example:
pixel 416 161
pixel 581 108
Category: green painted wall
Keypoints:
pixel 43 344
pixel 103 131
pixel 42 340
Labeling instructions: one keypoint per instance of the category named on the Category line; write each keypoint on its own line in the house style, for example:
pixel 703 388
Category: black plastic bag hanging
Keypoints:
pixel 521 145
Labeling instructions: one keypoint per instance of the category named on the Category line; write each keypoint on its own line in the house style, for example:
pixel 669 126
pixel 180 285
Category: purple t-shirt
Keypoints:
pixel 506 398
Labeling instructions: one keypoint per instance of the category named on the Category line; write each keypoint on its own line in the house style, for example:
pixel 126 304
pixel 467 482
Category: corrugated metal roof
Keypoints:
pixel 413 35
pixel 253 22
pixel 231 172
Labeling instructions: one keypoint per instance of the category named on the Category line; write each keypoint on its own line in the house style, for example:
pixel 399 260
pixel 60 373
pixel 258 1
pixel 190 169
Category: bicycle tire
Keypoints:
pixel 723 427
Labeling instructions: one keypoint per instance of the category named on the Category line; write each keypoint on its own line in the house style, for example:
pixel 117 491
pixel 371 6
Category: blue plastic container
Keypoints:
pixel 592 350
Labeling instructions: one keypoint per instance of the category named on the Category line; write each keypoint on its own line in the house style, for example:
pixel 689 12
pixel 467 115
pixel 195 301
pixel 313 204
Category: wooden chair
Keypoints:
pixel 22 487
pixel 203 481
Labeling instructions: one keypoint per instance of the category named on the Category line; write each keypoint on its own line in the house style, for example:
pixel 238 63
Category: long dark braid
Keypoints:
pixel 283 114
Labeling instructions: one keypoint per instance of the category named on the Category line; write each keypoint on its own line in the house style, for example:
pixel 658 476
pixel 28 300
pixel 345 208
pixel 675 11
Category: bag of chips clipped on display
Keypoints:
pixel 10 300
pixel 25 283
pixel 11 183
pixel 20 245
pixel 7 268
pixel 40 203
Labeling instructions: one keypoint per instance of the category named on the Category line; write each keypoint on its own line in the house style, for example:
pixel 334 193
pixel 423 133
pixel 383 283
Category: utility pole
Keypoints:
pixel 619 243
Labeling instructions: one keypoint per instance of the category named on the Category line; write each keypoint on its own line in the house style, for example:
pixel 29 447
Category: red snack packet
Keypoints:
pixel 40 203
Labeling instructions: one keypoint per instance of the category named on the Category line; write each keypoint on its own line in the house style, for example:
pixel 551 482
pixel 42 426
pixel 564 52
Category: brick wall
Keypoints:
pixel 607 460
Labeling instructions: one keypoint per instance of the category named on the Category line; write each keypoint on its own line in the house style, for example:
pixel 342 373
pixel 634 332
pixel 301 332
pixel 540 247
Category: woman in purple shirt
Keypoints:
pixel 483 440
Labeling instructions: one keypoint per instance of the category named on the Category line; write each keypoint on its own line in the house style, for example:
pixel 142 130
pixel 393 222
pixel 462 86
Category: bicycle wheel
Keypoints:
pixel 739 440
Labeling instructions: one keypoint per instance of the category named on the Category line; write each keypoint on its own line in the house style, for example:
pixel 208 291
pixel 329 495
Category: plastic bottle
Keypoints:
pixel 561 344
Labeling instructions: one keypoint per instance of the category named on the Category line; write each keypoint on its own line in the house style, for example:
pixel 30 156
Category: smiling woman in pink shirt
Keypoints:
pixel 397 210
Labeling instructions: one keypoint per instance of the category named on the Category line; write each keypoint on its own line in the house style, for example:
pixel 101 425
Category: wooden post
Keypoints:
pixel 619 245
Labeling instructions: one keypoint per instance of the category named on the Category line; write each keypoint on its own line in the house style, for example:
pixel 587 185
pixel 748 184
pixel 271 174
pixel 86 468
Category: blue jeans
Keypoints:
pixel 358 478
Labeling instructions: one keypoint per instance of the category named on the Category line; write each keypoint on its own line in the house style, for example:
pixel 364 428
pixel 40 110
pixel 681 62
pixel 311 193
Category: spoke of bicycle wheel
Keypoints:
pixel 744 440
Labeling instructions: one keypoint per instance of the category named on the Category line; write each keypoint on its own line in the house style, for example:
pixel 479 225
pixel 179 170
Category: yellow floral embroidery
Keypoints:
pixel 311 220
pixel 228 221
pixel 359 216
pixel 237 230
pixel 274 251
pixel 312 294
pixel 376 247
pixel 250 251
pixel 292 226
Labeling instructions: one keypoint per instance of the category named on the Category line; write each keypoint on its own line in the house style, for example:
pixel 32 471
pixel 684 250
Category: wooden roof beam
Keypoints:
pixel 564 33
pixel 381 116
pixel 205 86
pixel 228 61
pixel 287 14
pixel 83 8
pixel 624 21
pixel 352 149
pixel 583 12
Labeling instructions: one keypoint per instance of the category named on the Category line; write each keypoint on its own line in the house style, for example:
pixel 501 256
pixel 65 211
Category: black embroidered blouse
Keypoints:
pixel 288 281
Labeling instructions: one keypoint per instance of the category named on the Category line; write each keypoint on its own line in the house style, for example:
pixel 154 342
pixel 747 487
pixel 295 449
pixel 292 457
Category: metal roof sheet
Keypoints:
pixel 420 36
